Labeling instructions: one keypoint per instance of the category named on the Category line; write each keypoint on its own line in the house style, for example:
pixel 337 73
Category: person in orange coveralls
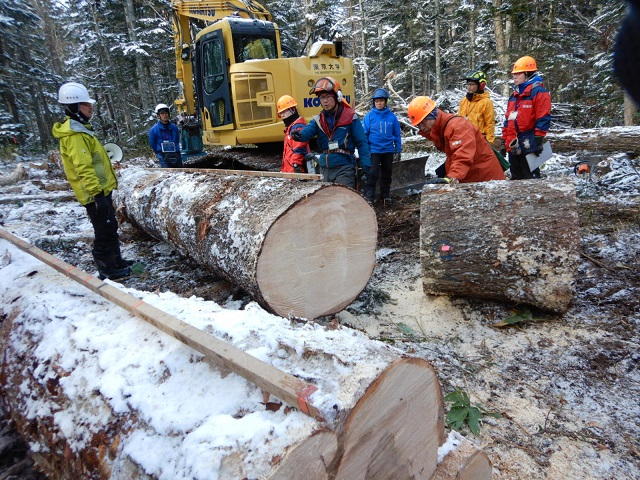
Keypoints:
pixel 469 156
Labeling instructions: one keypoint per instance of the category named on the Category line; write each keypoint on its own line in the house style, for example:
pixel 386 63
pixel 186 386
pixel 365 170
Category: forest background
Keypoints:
pixel 123 51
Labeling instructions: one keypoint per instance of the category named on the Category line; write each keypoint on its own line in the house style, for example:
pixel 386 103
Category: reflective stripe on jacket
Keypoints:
pixel 529 108
pixel 470 158
pixel 85 161
pixel 479 111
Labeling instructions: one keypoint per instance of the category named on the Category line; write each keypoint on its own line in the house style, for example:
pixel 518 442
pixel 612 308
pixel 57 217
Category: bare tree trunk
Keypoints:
pixel 630 110
pixel 106 56
pixel 437 47
pixel 501 45
pixel 143 86
pixel 363 42
pixel 516 241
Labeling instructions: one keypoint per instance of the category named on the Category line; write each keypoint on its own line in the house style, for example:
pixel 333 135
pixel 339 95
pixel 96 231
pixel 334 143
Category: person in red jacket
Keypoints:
pixel 469 156
pixel 294 151
pixel 527 119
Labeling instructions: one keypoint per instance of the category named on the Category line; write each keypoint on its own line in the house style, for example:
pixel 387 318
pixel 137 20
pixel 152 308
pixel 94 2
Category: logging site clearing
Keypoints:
pixel 566 387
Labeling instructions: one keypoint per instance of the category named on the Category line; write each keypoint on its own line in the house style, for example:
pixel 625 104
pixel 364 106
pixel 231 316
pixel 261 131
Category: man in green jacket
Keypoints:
pixel 90 173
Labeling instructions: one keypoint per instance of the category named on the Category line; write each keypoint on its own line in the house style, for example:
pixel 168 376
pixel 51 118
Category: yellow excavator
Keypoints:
pixel 231 69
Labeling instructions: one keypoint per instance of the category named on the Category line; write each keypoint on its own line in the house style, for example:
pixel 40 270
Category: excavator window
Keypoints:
pixel 251 47
pixel 214 66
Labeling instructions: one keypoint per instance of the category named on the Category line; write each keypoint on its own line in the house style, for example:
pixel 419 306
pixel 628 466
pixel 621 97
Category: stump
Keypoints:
pixel 514 241
pixel 301 249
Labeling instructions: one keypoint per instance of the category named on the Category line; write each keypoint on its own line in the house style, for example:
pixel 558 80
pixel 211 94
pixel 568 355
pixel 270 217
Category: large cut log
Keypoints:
pixel 302 249
pixel 599 140
pixel 93 398
pixel 514 241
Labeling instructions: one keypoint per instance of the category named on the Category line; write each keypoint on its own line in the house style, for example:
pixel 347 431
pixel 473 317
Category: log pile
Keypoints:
pixel 301 249
pixel 385 422
pixel 512 241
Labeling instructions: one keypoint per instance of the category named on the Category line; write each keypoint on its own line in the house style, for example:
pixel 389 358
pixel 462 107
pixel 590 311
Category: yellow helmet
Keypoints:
pixel 285 102
pixel 419 108
pixel 524 64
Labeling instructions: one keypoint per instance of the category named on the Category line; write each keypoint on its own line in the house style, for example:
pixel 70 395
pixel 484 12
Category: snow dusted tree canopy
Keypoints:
pixel 123 51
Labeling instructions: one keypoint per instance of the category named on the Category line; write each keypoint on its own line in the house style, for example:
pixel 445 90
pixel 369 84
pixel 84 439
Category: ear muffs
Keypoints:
pixel 481 85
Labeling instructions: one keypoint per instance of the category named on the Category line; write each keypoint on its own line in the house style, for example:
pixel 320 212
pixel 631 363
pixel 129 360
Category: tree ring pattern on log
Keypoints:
pixel 303 249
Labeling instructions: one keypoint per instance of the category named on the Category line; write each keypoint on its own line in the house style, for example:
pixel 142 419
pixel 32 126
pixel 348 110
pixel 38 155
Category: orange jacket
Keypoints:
pixel 469 156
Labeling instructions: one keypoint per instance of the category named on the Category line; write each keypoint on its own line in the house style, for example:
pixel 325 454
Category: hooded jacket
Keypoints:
pixel 528 110
pixel 479 111
pixel 85 161
pixel 383 131
pixel 343 128
pixel 469 156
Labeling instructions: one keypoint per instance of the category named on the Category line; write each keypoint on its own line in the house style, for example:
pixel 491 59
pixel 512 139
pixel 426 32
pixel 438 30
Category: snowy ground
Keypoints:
pixel 567 387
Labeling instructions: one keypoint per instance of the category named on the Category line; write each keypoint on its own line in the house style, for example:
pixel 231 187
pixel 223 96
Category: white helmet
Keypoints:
pixel 72 92
pixel 160 107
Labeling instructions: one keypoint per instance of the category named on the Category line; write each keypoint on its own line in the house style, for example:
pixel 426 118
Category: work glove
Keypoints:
pixel 310 157
pixel 102 205
pixel 434 181
pixel 297 135
pixel 297 169
pixel 397 156
pixel 539 142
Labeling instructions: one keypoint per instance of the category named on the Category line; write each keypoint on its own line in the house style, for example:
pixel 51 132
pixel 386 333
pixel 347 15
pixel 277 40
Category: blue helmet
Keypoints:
pixel 380 93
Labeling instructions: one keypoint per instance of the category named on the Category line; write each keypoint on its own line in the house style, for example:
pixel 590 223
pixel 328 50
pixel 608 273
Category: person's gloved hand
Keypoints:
pixel 310 157
pixel 102 205
pixel 539 142
pixel 365 173
pixel 297 168
pixel 434 181
pixel 297 135
pixel 397 156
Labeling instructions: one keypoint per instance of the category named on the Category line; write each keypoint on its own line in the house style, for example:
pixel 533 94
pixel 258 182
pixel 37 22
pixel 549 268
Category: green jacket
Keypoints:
pixel 85 160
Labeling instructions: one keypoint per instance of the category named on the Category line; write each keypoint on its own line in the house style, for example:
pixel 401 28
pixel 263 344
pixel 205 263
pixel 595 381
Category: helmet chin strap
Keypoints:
pixel 73 111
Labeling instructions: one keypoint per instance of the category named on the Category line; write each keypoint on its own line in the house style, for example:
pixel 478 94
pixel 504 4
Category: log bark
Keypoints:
pixel 388 417
pixel 599 140
pixel 512 241
pixel 301 249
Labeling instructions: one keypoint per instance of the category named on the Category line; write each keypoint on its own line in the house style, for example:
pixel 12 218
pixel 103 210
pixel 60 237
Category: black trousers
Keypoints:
pixel 106 243
pixel 381 167
pixel 520 168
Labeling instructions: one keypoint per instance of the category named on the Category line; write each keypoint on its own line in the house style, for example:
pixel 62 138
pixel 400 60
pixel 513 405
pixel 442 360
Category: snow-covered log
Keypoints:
pixel 302 249
pixel 100 394
pixel 18 173
pixel 516 241
pixel 601 140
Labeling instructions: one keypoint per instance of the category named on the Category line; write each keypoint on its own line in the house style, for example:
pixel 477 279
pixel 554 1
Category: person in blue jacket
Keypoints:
pixel 164 138
pixel 339 133
pixel 385 143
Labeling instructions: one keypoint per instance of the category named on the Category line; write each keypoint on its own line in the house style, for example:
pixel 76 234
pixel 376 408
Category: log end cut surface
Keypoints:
pixel 319 255
pixel 395 429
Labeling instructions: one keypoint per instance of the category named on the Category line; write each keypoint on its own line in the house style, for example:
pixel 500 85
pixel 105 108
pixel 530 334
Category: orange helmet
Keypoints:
pixel 285 102
pixel 419 108
pixel 524 64
pixel 326 84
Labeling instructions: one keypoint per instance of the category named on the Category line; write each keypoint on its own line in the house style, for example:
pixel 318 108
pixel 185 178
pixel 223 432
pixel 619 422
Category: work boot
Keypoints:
pixel 108 269
pixel 121 263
